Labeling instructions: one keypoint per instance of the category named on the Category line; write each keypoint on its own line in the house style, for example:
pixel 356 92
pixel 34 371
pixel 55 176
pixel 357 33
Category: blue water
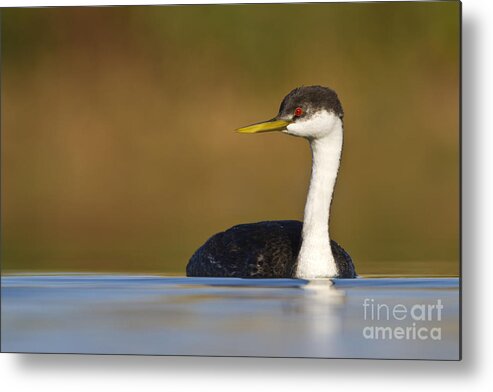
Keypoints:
pixel 417 317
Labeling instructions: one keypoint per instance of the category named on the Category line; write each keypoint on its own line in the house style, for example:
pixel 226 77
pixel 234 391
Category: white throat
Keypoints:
pixel 315 259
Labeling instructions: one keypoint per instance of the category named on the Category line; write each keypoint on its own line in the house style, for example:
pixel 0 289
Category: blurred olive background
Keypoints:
pixel 118 150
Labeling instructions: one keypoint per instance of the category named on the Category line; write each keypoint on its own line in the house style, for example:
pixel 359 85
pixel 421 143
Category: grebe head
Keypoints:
pixel 309 111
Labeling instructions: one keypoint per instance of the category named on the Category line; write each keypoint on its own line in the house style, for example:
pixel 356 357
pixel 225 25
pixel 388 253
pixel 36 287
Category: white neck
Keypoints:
pixel 315 259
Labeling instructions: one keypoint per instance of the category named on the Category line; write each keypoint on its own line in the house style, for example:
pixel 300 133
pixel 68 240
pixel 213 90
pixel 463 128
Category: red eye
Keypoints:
pixel 298 112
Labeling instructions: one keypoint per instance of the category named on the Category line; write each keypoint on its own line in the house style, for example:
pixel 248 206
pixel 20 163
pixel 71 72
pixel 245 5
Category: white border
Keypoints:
pixel 38 3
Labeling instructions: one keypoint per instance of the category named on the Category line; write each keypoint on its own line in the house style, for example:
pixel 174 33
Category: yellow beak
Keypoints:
pixel 267 126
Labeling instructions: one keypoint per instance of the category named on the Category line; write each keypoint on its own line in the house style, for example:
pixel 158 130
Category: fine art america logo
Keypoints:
pixel 402 322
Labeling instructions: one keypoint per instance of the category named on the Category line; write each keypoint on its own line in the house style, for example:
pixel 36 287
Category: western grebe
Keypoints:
pixel 289 249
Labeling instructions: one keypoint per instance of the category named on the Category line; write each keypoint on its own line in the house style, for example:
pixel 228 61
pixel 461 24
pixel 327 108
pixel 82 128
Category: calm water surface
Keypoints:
pixel 358 318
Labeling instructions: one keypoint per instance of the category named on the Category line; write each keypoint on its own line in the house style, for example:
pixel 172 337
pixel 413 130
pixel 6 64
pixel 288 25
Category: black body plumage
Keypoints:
pixel 258 250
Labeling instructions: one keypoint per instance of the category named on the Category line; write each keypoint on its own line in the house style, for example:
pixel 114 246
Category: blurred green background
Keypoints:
pixel 117 146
